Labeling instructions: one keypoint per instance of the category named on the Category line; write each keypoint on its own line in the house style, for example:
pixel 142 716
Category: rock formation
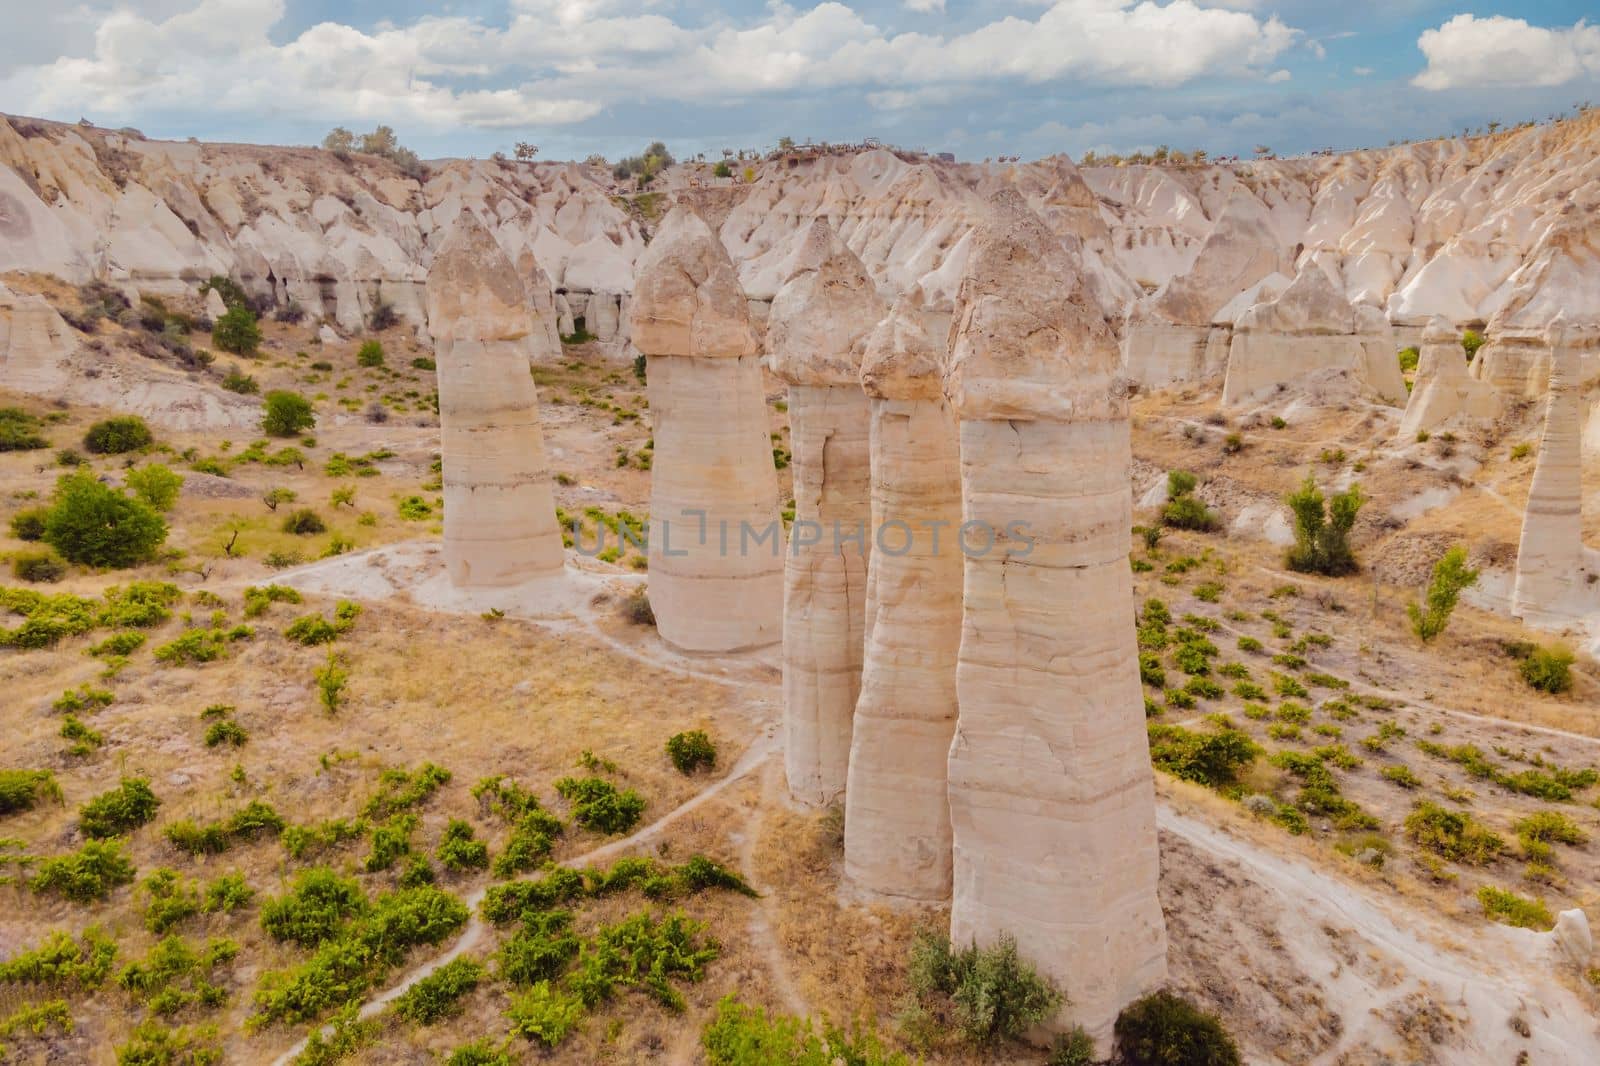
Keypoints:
pixel 1308 329
pixel 1553 568
pixel 1443 389
pixel 541 306
pixel 499 508
pixel 35 344
pixel 716 539
pixel 816 332
pixel 897 812
pixel 1052 803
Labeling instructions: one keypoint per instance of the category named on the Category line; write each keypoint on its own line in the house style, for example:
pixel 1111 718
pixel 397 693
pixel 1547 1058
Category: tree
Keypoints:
pixel 97 525
pixel 785 144
pixel 114 436
pixel 526 151
pixel 1322 529
pixel 1184 510
pixel 380 141
pixel 722 170
pixel 155 485
pixel 237 332
pixel 1451 574
pixel 286 414
pixel 339 141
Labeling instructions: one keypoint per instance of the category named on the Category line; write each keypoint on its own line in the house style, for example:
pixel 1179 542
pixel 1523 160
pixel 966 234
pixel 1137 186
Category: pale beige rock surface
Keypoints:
pixel 897 814
pixel 499 506
pixel 35 344
pixel 1052 800
pixel 816 333
pixel 716 540
pixel 1443 389
pixel 1552 580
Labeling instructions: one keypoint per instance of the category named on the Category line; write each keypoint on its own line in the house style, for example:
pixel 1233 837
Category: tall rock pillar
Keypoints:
pixel 816 332
pixel 897 812
pixel 499 507
pixel 1551 584
pixel 716 538
pixel 1052 800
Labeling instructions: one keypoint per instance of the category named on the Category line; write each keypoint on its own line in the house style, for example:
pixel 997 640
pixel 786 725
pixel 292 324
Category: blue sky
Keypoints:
pixel 1016 77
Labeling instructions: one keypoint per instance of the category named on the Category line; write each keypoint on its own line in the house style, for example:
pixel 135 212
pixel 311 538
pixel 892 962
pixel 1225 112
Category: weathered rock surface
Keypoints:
pixel 499 506
pixel 716 540
pixel 1444 390
pixel 816 333
pixel 35 344
pixel 1553 569
pixel 897 812
pixel 1309 328
pixel 1052 801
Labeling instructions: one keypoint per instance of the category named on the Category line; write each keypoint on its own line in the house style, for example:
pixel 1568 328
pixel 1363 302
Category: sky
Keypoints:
pixel 980 79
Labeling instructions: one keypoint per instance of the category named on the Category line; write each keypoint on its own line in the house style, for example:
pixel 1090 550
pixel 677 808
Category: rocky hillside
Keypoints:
pixel 1507 225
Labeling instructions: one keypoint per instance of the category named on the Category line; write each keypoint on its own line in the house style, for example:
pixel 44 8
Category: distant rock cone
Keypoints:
pixel 1443 389
pixel 499 508
pixel 1052 799
pixel 897 810
pixel 716 538
pixel 816 332
pixel 1553 568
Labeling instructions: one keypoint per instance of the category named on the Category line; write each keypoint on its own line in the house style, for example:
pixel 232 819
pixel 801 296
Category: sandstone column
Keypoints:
pixel 897 813
pixel 1052 802
pixel 816 331
pixel 716 538
pixel 499 509
pixel 1550 585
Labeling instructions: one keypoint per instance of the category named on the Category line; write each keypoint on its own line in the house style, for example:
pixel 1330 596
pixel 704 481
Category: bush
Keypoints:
pixel 19 431
pixel 598 804
pixel 1183 509
pixel 738 1035
pixel 155 486
pixel 315 910
pixel 86 875
pixel 95 525
pixel 1471 341
pixel 286 414
pixel 458 851
pixel 312 630
pixel 1322 534
pixel 1211 759
pixel 38 566
pixel 114 436
pixel 1512 909
pixel 1548 669
pixel 304 523
pixel 237 331
pixel 692 751
pixel 370 354
pixel 422 362
pixel 1163 1029
pixel 988 994
pixel 22 790
pixel 1451 575
pixel 438 995
pixel 29 524
pixel 545 1013
pixel 1456 835
pixel 1409 358
pixel 122 810
pixel 415 509
pixel 238 381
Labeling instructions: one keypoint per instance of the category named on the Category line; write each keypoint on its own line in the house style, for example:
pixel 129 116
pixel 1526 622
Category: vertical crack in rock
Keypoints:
pixel 1052 800
pixel 499 507
pixel 716 539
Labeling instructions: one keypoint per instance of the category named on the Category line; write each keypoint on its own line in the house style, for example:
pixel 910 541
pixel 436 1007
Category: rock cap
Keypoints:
pixel 686 294
pixel 822 314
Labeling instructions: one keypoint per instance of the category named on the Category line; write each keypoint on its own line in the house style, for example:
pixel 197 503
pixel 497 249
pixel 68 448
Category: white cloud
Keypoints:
pixel 1279 76
pixel 563 61
pixel 1361 72
pixel 924 7
pixel 1500 52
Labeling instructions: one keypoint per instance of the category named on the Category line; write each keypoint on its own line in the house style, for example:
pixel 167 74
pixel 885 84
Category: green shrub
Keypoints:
pixel 1471 341
pixel 227 894
pixel 370 353
pixel 1402 775
pixel 258 599
pixel 1512 909
pixel 539 951
pixel 286 414
pixel 1211 759
pixel 1409 357
pixel 85 875
pixel 303 841
pixel 331 679
pixel 172 901
pixel 422 362
pixel 236 380
pixel 1451 575
pixel 193 646
pixel 226 732
pixel 1456 835
pixel 315 910
pixel 29 524
pixel 599 805
pixel 121 810
pixel 691 751
pixel 415 509
pixel 738 1035
pixel 62 964
pixel 39 567
pixel 155 486
pixel 545 1013
pixel 1150 670
pixel 1184 510
pixel 1548 669
pixel 438 995
pixel 19 431
pixel 988 994
pixel 95 525
pixel 399 790
pixel 1163 1029
pixel 1322 529
pixel 114 436
pixel 174 976
pixel 304 522
pixel 345 1035
pixel 390 841
pixel 312 630
pixel 237 331
pixel 22 790
pixel 458 850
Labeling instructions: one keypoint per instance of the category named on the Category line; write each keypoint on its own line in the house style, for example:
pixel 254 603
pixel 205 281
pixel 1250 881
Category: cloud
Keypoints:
pixel 1278 76
pixel 1361 72
pixel 1500 52
pixel 563 61
pixel 924 7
